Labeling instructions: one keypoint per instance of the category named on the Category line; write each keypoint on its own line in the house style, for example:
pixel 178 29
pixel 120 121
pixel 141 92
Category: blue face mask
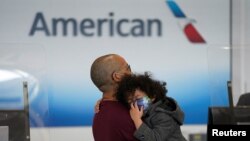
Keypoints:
pixel 144 101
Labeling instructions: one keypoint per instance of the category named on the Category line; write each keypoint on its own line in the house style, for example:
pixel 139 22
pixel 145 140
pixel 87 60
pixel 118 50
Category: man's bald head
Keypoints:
pixel 102 70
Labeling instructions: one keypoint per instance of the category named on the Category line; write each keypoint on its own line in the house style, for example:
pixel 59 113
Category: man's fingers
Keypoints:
pixel 97 106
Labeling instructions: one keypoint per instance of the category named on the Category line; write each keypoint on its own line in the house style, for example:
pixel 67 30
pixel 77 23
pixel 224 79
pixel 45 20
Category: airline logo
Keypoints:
pixel 186 23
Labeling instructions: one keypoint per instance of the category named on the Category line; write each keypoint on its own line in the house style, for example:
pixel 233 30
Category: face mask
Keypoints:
pixel 144 101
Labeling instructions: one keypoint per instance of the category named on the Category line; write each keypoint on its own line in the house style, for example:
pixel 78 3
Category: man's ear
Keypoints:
pixel 116 77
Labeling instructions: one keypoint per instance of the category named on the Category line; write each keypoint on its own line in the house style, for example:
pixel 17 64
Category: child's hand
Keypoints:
pixel 136 114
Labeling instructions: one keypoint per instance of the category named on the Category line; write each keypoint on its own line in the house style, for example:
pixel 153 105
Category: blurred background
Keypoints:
pixel 196 46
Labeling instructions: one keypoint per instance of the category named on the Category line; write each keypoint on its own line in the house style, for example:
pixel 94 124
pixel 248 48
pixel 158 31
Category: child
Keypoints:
pixel 156 116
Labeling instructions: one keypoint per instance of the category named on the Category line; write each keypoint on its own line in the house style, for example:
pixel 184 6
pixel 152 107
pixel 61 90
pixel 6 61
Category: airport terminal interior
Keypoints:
pixel 200 48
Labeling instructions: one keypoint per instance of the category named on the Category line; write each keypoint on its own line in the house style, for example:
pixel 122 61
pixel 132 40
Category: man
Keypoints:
pixel 112 122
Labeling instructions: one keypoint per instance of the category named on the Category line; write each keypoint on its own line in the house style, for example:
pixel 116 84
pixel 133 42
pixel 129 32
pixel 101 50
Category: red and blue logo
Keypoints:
pixel 188 28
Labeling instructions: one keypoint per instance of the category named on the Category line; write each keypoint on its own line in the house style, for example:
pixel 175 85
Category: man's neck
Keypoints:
pixel 109 96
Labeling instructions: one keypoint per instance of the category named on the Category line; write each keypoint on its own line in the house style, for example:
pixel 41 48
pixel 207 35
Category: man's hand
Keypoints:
pixel 97 106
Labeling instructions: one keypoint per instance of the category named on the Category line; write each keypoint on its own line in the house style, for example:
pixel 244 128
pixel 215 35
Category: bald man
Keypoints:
pixel 113 121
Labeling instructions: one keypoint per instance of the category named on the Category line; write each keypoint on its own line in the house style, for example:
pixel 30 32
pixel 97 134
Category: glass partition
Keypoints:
pixel 23 63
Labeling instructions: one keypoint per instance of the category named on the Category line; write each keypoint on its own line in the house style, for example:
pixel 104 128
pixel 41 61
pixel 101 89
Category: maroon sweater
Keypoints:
pixel 113 123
